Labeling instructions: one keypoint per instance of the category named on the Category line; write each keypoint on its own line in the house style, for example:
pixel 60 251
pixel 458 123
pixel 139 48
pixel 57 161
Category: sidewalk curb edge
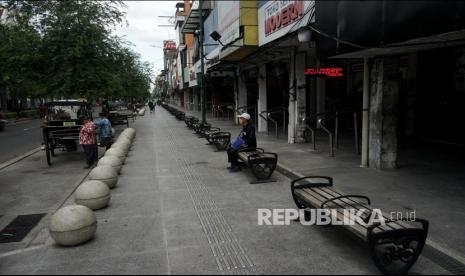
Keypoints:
pixel 18 158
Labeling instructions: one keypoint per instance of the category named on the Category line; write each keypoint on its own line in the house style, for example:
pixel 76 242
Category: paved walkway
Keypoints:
pixel 177 210
pixel 429 182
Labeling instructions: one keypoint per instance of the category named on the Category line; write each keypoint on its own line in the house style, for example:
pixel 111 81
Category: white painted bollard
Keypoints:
pixel 142 112
pixel 106 174
pixel 73 225
pixel 112 161
pixel 93 194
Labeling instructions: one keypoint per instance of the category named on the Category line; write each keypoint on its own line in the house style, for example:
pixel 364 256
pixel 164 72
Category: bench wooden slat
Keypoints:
pixel 316 200
pixel 393 225
pixel 331 193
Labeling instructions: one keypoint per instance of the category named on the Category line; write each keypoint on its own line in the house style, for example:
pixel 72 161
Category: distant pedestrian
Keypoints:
pixel 87 140
pixel 152 107
pixel 18 109
pixel 105 131
pixel 42 110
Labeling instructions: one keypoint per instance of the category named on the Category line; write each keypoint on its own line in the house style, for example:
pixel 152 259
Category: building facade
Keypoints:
pixel 370 78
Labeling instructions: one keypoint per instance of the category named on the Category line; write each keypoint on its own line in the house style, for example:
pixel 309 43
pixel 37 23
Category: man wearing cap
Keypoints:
pixel 246 139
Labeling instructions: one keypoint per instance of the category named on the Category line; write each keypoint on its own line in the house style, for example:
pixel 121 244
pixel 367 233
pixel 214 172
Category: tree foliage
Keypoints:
pixel 66 48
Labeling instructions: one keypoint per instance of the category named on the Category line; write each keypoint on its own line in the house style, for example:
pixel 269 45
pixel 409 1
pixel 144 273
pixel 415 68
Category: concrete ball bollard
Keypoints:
pixel 127 135
pixel 118 152
pixel 92 194
pixel 123 139
pixel 113 161
pixel 106 174
pixel 142 112
pixel 121 146
pixel 73 225
pixel 130 133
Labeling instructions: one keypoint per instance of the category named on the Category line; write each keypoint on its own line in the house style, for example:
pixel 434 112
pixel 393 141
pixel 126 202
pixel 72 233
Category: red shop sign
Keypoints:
pixel 325 72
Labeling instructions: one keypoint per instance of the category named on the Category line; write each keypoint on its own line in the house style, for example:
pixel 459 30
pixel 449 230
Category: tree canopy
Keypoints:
pixel 67 49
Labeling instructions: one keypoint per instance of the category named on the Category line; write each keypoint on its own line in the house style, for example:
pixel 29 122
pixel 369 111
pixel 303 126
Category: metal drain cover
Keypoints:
pixel 18 229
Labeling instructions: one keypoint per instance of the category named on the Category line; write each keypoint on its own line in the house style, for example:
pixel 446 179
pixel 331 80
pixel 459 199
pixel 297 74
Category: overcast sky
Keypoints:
pixel 143 30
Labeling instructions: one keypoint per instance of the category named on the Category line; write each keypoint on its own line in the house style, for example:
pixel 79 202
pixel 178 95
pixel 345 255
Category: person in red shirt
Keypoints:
pixel 42 110
pixel 88 141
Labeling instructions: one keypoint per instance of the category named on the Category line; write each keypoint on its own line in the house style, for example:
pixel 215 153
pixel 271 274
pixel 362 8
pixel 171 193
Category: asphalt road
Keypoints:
pixel 20 138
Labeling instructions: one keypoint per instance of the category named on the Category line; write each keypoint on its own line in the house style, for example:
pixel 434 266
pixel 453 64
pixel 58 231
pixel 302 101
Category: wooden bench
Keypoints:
pixel 261 163
pixel 190 121
pixel 220 139
pixel 180 115
pixel 395 245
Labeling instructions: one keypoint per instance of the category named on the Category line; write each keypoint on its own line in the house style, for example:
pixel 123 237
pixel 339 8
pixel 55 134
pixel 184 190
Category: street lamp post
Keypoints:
pixel 202 71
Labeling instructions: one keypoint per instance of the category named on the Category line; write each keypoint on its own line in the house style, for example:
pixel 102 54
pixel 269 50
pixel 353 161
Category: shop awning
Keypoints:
pixel 414 45
pixel 192 22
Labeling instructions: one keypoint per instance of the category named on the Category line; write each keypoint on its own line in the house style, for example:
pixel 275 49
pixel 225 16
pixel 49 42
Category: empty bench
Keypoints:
pixel 395 245
pixel 215 136
pixel 190 121
pixel 261 163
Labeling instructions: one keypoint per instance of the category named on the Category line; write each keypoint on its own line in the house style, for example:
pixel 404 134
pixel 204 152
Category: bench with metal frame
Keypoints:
pixel 215 136
pixel 395 246
pixel 261 163
pixel 190 121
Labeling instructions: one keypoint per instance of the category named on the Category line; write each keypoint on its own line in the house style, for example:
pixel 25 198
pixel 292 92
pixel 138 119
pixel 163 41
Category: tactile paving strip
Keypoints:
pixel 230 256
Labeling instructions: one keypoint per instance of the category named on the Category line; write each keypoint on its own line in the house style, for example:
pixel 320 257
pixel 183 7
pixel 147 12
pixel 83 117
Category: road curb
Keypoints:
pixel 19 158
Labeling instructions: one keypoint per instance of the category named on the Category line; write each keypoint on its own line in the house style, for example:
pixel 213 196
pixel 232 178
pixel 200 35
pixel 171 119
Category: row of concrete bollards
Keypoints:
pixel 76 224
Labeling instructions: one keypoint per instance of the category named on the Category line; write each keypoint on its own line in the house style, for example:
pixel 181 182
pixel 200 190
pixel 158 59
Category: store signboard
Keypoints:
pixel 277 18
pixel 193 80
pixel 169 45
pixel 325 72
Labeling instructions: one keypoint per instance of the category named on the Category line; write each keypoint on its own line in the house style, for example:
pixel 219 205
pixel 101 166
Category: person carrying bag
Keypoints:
pixel 246 139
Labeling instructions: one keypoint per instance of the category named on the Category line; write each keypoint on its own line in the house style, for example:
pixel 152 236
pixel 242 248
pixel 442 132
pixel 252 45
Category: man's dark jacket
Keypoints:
pixel 249 137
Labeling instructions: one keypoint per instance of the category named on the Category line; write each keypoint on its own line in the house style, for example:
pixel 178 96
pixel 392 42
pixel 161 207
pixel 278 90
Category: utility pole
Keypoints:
pixel 202 73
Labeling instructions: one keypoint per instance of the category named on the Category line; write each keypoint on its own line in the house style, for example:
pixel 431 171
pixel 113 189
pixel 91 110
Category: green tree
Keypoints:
pixel 66 49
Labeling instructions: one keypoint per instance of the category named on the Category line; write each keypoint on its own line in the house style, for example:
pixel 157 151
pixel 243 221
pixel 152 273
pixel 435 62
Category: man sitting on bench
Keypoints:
pixel 246 139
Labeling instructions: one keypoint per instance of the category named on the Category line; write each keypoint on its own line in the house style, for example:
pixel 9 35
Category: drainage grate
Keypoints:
pixel 445 261
pixel 19 228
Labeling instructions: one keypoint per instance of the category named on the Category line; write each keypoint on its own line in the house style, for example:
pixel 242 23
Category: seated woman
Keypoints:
pixel 246 139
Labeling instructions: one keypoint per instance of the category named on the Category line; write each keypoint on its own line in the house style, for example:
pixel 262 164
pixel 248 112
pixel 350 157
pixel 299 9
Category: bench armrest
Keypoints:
pixel 329 179
pixel 295 185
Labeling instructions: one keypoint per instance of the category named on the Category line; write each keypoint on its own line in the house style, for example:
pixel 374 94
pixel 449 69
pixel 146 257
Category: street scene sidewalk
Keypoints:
pixel 175 210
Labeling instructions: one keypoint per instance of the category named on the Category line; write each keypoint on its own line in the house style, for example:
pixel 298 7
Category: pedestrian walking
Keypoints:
pixel 245 139
pixel 152 107
pixel 105 131
pixel 87 141
pixel 42 110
